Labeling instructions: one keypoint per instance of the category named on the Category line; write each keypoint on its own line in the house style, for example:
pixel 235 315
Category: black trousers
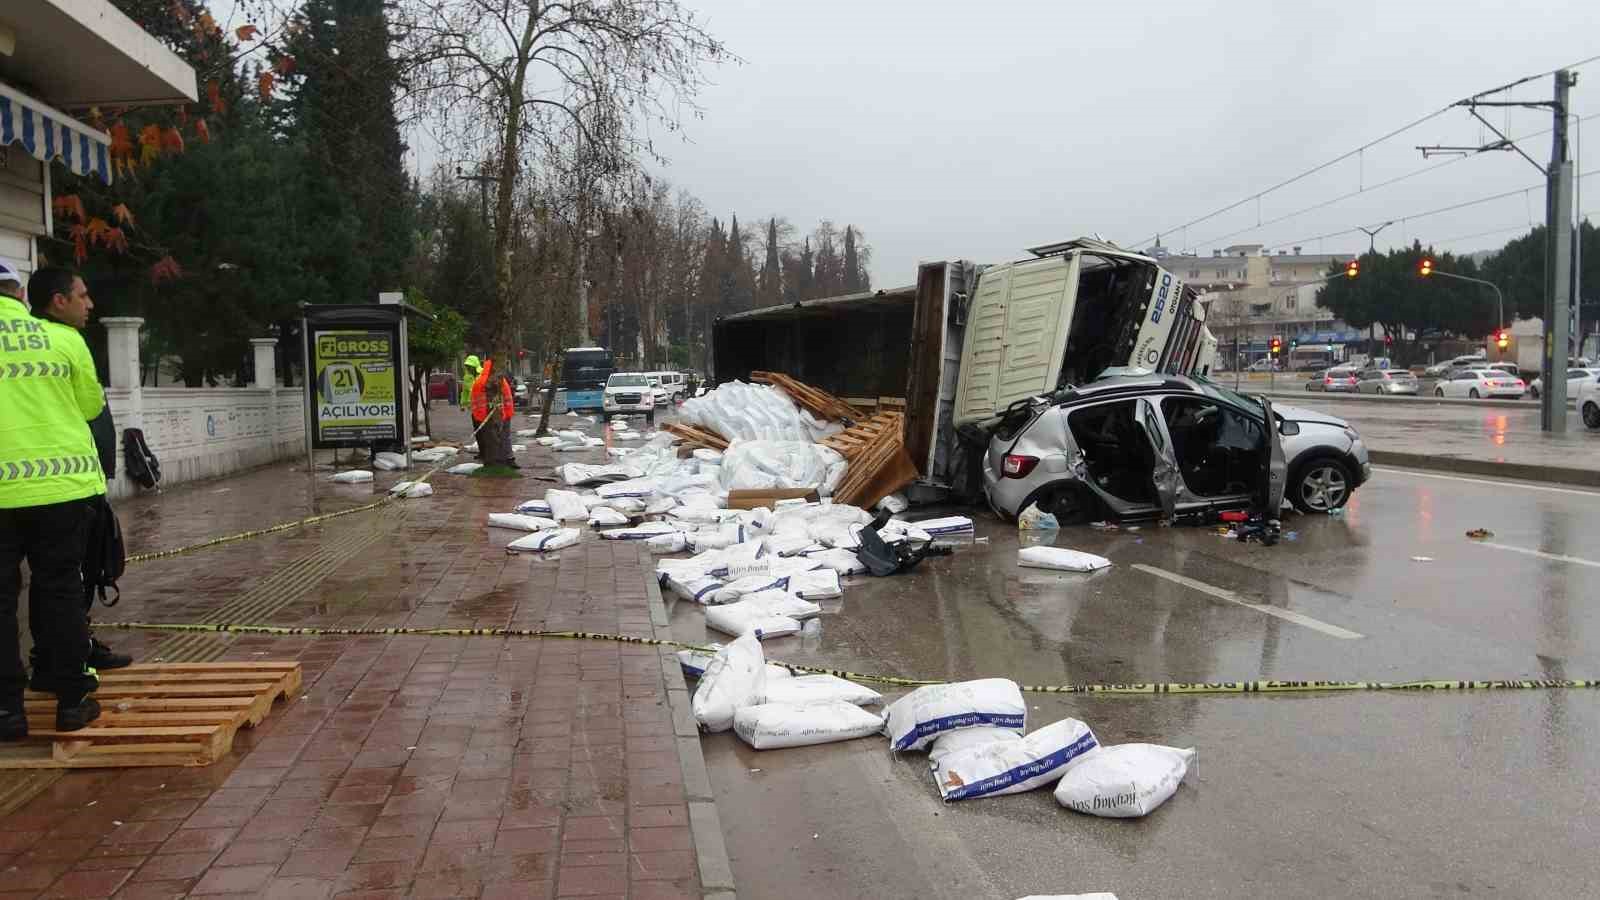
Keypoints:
pixel 51 538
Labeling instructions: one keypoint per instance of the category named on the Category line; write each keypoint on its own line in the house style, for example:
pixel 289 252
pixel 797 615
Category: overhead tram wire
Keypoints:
pixel 1359 150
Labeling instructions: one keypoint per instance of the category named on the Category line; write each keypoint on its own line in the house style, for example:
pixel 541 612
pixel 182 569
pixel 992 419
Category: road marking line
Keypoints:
pixel 1225 594
pixel 1492 483
pixel 1557 557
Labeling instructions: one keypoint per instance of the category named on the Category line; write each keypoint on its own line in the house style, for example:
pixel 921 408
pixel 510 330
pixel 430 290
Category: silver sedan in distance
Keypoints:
pixel 1386 381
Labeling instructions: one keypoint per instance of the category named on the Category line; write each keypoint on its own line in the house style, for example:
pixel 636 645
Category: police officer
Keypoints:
pixel 50 290
pixel 49 479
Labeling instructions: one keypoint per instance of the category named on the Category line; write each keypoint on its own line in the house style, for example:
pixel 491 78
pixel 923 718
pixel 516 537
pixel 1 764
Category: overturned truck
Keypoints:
pixel 967 341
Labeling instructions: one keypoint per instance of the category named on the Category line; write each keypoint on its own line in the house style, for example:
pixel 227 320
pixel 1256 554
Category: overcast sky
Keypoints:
pixel 974 130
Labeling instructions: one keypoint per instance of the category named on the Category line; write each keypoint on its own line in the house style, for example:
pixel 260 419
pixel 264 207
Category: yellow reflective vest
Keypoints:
pixel 48 394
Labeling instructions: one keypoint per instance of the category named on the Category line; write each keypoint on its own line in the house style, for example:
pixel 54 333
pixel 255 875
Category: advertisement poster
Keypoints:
pixel 355 384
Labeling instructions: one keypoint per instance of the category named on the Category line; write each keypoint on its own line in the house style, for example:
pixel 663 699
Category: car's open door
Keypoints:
pixel 1274 468
pixel 1164 474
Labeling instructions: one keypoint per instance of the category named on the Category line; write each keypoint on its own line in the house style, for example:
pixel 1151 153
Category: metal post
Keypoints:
pixel 403 376
pixel 1558 272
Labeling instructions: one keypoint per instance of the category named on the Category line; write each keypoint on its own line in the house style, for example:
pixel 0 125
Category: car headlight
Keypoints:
pixel 1351 433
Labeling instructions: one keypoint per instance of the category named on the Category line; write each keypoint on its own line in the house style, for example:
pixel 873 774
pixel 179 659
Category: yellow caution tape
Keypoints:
pixel 1170 687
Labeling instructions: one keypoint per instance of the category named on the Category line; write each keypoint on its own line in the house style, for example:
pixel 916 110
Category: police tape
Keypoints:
pixel 1274 686
pixel 287 526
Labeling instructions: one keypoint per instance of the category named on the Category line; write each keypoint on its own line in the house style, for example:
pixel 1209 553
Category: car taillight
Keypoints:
pixel 1018 466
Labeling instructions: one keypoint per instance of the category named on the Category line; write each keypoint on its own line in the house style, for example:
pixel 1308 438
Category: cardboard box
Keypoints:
pixel 753 499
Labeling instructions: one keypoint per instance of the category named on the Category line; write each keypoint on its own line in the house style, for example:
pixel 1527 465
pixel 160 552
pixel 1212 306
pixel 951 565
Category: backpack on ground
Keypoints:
pixel 139 461
pixel 104 558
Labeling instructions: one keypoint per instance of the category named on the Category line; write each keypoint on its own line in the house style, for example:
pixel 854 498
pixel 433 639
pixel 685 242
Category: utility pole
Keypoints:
pixel 1372 250
pixel 1558 276
pixel 1558 272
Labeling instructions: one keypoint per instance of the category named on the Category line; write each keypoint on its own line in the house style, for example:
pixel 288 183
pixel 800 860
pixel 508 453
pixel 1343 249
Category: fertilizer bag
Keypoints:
pixel 1011 767
pixel 735 677
pixel 1124 781
pixel 927 712
pixel 770 726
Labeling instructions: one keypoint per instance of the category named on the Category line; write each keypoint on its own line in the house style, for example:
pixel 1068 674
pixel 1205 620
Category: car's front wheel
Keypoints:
pixel 1473 393
pixel 1591 415
pixel 1438 392
pixel 1321 485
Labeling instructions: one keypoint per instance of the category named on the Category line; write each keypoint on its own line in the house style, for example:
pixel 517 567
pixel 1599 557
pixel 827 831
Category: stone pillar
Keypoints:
pixel 266 361
pixel 122 351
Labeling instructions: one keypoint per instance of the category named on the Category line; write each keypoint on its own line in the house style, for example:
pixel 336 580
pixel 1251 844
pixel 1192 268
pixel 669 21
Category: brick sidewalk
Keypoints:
pixel 412 766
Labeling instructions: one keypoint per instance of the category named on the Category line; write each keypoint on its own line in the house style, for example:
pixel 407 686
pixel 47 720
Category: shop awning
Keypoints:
pixel 49 134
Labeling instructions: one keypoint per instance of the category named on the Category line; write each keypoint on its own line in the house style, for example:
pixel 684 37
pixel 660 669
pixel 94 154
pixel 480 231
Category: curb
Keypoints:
pixel 1461 465
pixel 1339 397
pixel 710 850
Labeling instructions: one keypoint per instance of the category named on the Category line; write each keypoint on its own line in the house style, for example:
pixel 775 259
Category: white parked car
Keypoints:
pixel 1588 397
pixel 661 393
pixel 1477 383
pixel 1575 378
pixel 1460 362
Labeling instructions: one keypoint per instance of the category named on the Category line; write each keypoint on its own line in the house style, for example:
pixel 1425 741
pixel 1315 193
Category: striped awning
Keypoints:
pixel 49 134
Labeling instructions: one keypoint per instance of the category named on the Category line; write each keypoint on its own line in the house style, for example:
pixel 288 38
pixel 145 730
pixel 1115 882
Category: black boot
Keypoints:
pixel 13 724
pixel 76 716
pixel 103 657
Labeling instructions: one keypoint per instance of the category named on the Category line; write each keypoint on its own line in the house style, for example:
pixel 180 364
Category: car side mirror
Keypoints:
pixel 1288 428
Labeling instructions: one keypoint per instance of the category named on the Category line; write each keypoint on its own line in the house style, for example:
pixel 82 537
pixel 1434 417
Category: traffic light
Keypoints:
pixel 1388 340
pixel 1425 268
pixel 1277 346
pixel 1502 339
pixel 1352 268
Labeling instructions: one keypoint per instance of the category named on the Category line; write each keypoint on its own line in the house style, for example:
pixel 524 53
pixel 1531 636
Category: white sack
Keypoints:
pixel 1123 781
pixel 605 515
pixel 769 465
pixel 522 522
pixel 740 619
pixel 845 562
pixel 705 454
pixel 1060 559
pixel 548 440
pixel 353 476
pixel 783 603
pixel 466 468
pixel 694 588
pixel 818 584
pixel 788 545
pixel 929 711
pixel 412 489
pixel 736 677
pixel 546 540
pixel 534 507
pixel 694 662
pixel 674 542
pixel 947 525
pixel 565 506
pixel 518 448
pixel 894 503
pixel 585 474
pixel 967 738
pixel 641 532
pixel 804 689
pixel 1011 767
pixel 387 460
pixel 771 726
pixel 640 488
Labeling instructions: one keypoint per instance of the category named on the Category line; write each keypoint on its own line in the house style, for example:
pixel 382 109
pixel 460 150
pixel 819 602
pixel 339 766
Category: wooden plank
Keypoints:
pixel 242 665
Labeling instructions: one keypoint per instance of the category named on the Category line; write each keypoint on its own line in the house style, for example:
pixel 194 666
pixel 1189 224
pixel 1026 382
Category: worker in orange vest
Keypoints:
pixel 505 406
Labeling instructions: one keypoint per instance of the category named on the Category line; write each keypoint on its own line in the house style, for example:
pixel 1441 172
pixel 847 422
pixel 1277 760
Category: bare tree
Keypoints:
pixel 509 76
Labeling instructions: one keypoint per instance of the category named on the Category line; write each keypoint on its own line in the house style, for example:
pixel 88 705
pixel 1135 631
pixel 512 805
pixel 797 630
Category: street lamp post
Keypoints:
pixel 1500 299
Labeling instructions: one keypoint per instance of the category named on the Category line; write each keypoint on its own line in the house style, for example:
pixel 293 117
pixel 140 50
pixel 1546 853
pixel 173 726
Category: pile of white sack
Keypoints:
pixel 754 412
pixel 974 732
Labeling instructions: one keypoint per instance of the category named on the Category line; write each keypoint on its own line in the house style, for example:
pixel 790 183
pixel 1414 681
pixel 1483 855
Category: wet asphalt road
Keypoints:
pixel 1331 795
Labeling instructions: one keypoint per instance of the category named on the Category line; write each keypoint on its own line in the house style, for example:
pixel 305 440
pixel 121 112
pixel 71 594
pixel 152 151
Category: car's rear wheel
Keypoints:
pixel 1473 393
pixel 1438 392
pixel 1533 392
pixel 1069 503
pixel 1591 415
pixel 1321 485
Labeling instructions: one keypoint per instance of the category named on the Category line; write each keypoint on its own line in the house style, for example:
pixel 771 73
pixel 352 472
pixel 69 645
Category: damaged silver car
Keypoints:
pixel 1139 446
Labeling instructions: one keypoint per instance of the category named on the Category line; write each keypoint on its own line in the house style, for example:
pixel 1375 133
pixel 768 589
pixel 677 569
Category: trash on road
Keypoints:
pixel 521 522
pixel 1124 780
pixel 916 719
pixel 1422 559
pixel 389 461
pixel 466 468
pixel 1060 559
pixel 1035 519
pixel 541 541
pixel 735 677
pixel 770 726
pixel 1012 767
pixel 1480 534
pixel 353 476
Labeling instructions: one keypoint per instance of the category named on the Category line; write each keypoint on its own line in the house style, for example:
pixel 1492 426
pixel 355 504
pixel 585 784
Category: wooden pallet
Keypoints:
pixel 879 467
pixel 818 402
pixel 858 438
pixel 695 436
pixel 161 714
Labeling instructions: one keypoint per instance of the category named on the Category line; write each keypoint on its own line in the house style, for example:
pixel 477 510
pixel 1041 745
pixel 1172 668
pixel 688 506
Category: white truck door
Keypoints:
pixel 1016 334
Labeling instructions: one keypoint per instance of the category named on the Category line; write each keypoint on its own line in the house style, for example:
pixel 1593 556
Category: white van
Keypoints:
pixel 675 383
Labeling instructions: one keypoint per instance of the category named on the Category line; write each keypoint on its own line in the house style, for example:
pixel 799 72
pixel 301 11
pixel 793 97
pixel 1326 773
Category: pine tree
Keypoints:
pixel 807 286
pixel 852 265
pixel 771 271
pixel 828 269
pixel 711 265
pixel 341 100
pixel 744 281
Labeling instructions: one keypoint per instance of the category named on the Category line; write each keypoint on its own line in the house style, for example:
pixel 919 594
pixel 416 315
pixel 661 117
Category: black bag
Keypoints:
pixel 882 559
pixel 104 557
pixel 141 464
